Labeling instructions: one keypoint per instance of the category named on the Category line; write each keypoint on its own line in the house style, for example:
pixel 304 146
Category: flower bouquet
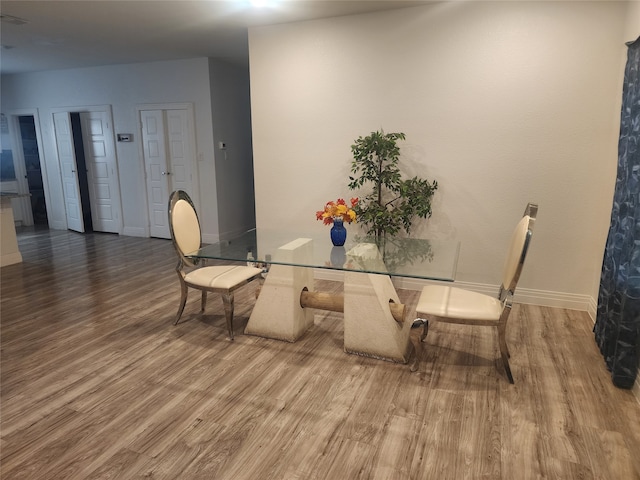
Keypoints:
pixel 337 213
pixel 337 210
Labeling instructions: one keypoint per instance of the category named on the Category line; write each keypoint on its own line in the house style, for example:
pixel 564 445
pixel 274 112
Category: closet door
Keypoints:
pixel 180 155
pixel 104 190
pixel 68 167
pixel 154 145
pixel 168 160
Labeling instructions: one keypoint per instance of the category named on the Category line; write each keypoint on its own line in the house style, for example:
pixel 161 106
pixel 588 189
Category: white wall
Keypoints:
pixel 632 30
pixel 502 103
pixel 124 87
pixel 231 109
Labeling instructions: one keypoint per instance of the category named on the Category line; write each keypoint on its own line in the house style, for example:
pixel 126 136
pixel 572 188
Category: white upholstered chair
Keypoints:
pixel 448 304
pixel 224 279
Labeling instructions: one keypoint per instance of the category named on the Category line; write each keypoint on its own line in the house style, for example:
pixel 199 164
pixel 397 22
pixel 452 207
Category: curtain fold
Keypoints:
pixel 617 328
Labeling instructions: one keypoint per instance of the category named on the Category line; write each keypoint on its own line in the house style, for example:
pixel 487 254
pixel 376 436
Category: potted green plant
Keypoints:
pixel 393 203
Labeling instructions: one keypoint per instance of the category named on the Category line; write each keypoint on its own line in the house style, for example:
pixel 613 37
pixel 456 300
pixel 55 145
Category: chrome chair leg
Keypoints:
pixel 228 301
pixel 203 303
pixel 414 358
pixel 424 323
pixel 425 330
pixel 183 302
pixel 418 322
pixel 504 353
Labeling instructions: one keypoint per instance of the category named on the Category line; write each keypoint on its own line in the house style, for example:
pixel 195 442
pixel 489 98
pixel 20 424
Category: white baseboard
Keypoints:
pixel 327 274
pixel 135 232
pixel 10 259
pixel 523 295
pixel 529 296
pixel 593 308
pixel 546 298
pixel 210 238
pixel 56 225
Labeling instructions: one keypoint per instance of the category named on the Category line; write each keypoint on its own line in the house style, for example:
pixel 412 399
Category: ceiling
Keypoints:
pixel 71 34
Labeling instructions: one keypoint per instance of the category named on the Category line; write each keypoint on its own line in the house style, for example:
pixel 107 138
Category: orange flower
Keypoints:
pixel 337 210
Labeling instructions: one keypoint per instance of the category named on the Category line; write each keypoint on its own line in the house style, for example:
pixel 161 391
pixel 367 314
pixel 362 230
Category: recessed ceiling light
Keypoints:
pixel 259 3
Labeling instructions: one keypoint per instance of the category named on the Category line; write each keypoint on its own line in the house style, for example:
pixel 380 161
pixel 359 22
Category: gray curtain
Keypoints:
pixel 617 328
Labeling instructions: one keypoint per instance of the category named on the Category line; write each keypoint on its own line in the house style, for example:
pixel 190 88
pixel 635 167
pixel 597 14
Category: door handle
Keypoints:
pixel 166 173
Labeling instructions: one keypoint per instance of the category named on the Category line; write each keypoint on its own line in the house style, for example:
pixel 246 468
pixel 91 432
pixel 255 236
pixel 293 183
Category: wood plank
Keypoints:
pixel 96 382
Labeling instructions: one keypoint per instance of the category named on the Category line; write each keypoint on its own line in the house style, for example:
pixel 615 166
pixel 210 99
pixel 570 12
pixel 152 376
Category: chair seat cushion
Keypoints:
pixel 456 303
pixel 223 276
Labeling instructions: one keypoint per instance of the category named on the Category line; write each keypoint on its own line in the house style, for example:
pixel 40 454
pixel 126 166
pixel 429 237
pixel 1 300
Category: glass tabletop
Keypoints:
pixel 402 257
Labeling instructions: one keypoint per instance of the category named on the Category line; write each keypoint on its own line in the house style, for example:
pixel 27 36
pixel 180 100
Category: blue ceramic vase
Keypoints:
pixel 338 233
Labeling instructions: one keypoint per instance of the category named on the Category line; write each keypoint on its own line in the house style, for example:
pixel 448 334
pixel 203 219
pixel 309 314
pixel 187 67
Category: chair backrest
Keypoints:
pixel 184 225
pixel 518 250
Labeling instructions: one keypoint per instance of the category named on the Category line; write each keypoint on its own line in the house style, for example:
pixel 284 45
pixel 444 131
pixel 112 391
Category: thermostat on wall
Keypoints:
pixel 125 137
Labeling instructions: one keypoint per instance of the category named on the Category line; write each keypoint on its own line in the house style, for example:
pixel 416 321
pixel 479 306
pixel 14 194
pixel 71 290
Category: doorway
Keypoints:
pixel 21 131
pixel 83 178
pixel 33 169
pixel 86 152
pixel 168 148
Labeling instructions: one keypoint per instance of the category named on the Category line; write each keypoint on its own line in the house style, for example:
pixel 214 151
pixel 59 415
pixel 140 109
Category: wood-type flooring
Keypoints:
pixel 97 383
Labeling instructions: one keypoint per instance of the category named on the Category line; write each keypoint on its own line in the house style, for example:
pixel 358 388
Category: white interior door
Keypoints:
pixel 102 172
pixel 157 171
pixel 169 160
pixel 180 155
pixel 67 158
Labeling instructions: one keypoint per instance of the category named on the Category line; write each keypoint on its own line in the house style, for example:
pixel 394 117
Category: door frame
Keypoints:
pixel 195 178
pixel 108 110
pixel 20 166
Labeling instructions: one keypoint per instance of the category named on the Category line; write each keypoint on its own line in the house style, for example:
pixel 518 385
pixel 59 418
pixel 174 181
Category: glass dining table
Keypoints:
pixel 375 322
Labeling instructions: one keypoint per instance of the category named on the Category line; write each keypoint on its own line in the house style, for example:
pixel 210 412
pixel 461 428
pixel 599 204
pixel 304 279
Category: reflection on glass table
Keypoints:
pixel 375 322
pixel 402 257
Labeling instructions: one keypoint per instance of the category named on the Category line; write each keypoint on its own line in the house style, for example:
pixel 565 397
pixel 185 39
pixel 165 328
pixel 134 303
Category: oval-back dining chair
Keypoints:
pixel 448 304
pixel 224 279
